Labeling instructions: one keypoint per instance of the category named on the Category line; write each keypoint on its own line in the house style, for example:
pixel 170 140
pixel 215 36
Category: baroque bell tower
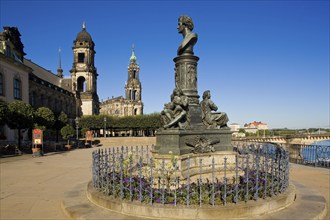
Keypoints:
pixel 133 87
pixel 84 74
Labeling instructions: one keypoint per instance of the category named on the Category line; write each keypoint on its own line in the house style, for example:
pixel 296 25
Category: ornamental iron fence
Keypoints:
pixel 312 155
pixel 128 173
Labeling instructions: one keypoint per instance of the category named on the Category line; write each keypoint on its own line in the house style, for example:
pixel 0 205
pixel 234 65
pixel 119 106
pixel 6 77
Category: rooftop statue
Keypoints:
pixel 185 27
pixel 209 118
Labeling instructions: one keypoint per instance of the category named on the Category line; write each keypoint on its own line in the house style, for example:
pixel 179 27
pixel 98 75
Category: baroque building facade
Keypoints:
pixel 14 73
pixel 76 95
pixel 22 79
pixel 132 103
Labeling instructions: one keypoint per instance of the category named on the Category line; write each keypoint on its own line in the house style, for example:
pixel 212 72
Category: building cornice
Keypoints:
pixel 11 61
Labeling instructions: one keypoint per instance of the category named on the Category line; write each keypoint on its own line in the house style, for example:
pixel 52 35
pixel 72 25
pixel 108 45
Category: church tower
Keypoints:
pixel 84 74
pixel 133 86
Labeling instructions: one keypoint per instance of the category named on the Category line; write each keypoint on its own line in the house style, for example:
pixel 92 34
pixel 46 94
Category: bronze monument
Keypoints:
pixel 189 126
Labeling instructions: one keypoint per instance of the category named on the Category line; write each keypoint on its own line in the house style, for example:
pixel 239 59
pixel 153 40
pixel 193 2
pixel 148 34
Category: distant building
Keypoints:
pixel 234 128
pixel 253 127
pixel 132 103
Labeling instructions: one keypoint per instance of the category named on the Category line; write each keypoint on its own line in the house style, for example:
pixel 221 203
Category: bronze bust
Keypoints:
pixel 185 27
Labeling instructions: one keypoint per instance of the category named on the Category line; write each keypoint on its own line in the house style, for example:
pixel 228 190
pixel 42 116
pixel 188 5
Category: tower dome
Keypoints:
pixel 84 35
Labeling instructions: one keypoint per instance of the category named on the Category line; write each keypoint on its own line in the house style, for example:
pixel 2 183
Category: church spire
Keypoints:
pixel 59 70
pixel 133 57
pixel 84 26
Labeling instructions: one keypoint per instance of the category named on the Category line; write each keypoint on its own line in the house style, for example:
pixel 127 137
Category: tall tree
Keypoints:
pixel 44 117
pixel 20 116
pixel 67 132
pixel 60 121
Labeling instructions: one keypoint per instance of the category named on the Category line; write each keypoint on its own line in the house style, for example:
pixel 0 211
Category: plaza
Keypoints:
pixel 181 162
pixel 53 186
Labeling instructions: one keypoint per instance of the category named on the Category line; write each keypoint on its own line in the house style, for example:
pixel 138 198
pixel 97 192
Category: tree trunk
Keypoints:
pixel 19 137
pixel 56 135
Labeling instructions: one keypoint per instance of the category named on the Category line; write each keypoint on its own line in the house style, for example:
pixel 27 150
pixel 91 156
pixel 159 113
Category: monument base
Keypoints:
pixel 195 165
pixel 179 142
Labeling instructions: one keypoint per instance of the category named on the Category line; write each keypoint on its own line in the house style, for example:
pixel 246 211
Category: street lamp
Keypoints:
pixel 77 126
pixel 105 126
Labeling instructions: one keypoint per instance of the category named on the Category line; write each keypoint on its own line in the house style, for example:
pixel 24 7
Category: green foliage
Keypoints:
pixel 67 131
pixel 3 111
pixel 60 120
pixel 91 122
pixel 63 118
pixel 44 117
pixel 242 130
pixel 20 115
pixel 151 121
pixel 261 133
pixel 282 132
pixel 41 127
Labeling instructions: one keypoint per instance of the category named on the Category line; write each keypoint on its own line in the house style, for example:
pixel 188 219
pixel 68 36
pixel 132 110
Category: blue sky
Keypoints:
pixel 262 60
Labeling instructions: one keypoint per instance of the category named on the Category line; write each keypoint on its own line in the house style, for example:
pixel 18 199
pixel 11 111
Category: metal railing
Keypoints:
pixel 312 155
pixel 258 172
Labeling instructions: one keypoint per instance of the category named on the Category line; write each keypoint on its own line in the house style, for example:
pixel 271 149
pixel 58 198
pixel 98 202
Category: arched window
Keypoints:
pixel 17 89
pixel 81 84
pixel 134 95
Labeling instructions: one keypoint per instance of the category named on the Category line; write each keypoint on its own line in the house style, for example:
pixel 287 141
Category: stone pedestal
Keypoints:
pixel 186 80
pixel 196 165
pixel 174 141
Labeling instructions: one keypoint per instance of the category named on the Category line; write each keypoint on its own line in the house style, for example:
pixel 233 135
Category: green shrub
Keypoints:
pixel 67 132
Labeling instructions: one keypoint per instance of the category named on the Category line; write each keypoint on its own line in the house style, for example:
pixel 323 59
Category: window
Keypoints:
pixel 17 89
pixel 8 51
pixel 33 99
pixel 81 84
pixel 1 85
pixel 81 57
